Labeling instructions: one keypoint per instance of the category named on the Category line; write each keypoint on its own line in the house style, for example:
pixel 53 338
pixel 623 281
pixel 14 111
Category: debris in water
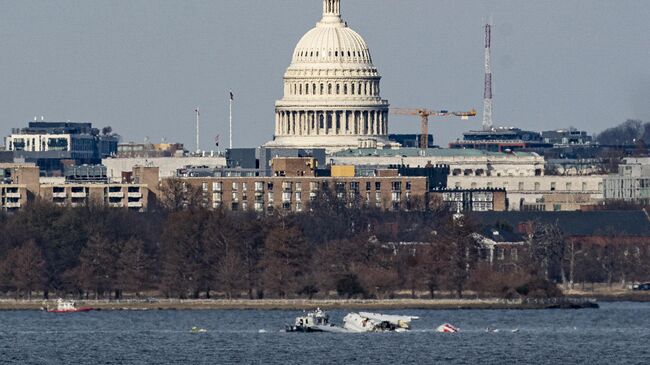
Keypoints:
pixel 447 328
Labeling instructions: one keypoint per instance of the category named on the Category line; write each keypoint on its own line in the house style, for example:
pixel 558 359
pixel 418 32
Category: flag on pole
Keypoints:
pixel 197 111
pixel 232 96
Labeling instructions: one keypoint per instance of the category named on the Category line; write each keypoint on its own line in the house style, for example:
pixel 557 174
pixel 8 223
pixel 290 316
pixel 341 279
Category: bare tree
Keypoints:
pixel 547 249
pixel 285 261
pixel 134 267
pixel 26 268
pixel 97 265
pixel 176 195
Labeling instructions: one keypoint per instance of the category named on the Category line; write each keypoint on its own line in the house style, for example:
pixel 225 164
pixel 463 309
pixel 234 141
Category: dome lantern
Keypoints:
pixel 331 8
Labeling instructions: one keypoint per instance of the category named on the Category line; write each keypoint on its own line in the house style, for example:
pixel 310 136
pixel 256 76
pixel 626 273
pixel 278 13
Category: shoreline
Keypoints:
pixel 305 304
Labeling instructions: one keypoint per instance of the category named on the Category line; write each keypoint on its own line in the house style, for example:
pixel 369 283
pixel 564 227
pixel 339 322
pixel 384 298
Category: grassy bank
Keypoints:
pixel 296 304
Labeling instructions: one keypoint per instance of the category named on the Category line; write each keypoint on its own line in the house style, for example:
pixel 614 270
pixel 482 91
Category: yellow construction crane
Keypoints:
pixel 425 114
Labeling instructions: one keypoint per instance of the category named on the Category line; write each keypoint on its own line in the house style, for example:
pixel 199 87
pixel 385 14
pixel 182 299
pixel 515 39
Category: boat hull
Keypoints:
pixel 76 310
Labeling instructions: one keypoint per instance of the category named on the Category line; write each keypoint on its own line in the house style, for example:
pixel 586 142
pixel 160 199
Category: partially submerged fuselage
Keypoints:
pixel 376 322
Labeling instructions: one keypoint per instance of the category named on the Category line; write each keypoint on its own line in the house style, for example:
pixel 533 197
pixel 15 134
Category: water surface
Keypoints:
pixel 617 333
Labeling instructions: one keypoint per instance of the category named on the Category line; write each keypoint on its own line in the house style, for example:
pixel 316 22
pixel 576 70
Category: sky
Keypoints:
pixel 143 66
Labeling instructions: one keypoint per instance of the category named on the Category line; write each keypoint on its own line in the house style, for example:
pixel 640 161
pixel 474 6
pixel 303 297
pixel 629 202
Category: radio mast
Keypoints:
pixel 487 92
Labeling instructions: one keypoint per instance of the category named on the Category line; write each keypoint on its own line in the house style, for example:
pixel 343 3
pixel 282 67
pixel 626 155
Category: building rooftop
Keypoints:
pixel 607 223
pixel 431 152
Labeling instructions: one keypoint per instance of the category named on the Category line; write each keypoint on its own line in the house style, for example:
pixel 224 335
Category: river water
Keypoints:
pixel 617 333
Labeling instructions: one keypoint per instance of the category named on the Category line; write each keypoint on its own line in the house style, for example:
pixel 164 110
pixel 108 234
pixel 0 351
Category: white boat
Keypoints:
pixel 376 322
pixel 67 306
pixel 316 321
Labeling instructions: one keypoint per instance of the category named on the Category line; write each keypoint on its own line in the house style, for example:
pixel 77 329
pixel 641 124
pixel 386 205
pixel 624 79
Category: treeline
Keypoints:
pixel 335 249
pixel 631 132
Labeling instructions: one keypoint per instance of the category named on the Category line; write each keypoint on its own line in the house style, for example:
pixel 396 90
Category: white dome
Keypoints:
pixel 332 42
pixel 331 90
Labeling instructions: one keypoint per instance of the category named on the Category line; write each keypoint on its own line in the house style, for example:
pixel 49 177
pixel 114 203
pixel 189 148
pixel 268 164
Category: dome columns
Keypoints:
pixel 331 8
pixel 328 122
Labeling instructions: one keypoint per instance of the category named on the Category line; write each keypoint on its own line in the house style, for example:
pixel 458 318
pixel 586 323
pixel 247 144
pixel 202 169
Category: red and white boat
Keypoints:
pixel 67 306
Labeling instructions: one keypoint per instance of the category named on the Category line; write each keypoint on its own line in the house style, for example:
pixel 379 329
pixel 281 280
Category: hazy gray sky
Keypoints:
pixel 142 66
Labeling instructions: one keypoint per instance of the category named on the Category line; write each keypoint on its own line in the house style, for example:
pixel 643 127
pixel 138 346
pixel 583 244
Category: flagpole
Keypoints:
pixel 230 134
pixel 198 116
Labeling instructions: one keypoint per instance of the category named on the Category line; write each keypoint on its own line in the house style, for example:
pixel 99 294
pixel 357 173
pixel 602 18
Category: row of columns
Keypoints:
pixel 331 122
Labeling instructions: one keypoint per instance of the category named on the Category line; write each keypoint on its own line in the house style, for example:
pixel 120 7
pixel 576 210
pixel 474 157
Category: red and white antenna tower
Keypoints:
pixel 487 93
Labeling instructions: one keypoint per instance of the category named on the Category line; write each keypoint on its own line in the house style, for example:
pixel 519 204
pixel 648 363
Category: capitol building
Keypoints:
pixel 331 91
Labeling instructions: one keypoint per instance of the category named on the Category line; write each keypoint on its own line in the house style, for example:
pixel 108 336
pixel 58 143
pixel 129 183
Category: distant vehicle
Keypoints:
pixel 642 286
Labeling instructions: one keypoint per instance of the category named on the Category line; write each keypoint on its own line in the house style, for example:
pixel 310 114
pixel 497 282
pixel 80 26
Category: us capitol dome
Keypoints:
pixel 331 91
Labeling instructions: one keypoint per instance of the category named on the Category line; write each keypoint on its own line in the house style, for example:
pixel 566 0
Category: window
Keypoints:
pixel 568 186
pixel 298 186
pixel 378 199
pixel 217 186
pixel 396 196
pixel 270 196
pixel 244 186
pixel 408 186
pixel 204 186
pixel 521 185
pixel 269 186
pixel 368 185
pixel 313 186
pixel 584 186
pixel 536 186
pixel 259 206
pixel 286 186
pixel 377 186
pixel 396 185
pixel 234 186
pixel 354 187
pixel 286 197
pixel 259 186
pixel 298 196
pixel 553 186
